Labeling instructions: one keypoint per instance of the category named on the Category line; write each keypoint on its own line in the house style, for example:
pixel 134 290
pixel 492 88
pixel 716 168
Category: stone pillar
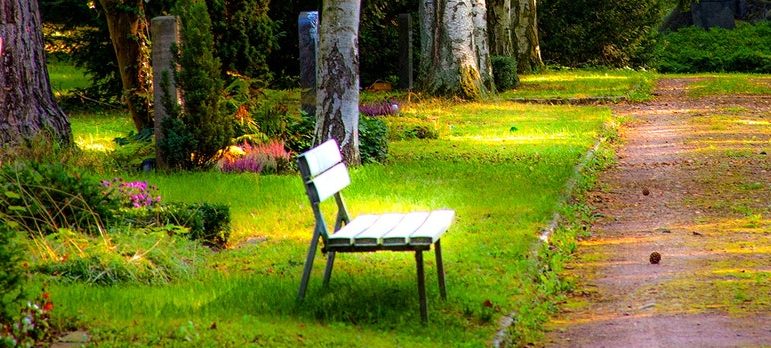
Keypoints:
pixel 405 51
pixel 308 26
pixel 165 32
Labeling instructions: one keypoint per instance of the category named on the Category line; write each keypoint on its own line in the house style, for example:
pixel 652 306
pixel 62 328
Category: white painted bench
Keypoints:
pixel 325 175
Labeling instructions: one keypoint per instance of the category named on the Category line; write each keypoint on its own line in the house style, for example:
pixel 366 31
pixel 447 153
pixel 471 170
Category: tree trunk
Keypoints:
pixel 337 101
pixel 526 36
pixel 27 106
pixel 454 48
pixel 128 33
pixel 499 28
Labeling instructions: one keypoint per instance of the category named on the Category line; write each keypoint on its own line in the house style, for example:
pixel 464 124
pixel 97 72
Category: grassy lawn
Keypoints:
pixel 579 84
pixel 500 165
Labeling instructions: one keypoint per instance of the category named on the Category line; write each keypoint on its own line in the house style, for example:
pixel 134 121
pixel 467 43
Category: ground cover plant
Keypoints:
pixel 502 167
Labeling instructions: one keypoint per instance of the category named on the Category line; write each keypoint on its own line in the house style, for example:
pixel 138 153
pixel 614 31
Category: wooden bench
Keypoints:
pixel 325 175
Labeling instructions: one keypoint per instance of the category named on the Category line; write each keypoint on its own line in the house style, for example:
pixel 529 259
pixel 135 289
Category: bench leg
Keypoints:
pixel 421 286
pixel 440 270
pixel 308 266
pixel 328 270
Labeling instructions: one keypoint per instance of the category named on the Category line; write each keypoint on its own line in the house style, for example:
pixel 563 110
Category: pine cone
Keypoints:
pixel 655 258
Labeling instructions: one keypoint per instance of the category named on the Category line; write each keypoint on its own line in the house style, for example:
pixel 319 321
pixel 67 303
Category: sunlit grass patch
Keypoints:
pixel 725 84
pixel 95 131
pixel 572 84
pixel 64 77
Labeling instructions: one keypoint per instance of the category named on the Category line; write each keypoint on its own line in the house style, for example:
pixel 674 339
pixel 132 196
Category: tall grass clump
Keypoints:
pixel 747 48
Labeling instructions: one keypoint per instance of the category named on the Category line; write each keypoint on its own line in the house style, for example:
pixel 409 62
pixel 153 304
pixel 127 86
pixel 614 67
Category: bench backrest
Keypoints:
pixel 323 171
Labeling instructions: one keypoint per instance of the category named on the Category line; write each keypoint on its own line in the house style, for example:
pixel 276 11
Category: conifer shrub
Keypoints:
pixel 11 273
pixel 504 72
pixel 195 133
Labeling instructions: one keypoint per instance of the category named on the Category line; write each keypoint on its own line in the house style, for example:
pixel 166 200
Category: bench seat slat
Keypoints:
pixel 330 182
pixel 344 237
pixel 384 224
pixel 400 234
pixel 436 224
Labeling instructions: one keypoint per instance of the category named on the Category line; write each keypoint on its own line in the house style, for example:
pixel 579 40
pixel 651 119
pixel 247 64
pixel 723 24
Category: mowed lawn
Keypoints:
pixel 500 165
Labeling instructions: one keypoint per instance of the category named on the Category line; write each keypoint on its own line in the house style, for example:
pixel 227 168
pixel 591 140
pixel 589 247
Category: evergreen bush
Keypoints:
pixel 504 72
pixel 11 273
pixel 197 132
pixel 373 139
pixel 596 32
pixel 747 48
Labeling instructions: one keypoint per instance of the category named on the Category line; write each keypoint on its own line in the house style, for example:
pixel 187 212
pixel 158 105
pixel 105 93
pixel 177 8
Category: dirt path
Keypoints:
pixel 693 182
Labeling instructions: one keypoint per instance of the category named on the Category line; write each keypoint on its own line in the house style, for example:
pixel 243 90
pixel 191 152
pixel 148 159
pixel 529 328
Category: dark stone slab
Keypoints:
pixel 405 51
pixel 308 26
pixel 714 13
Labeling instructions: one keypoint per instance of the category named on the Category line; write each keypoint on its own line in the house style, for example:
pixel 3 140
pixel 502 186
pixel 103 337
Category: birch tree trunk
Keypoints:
pixel 526 35
pixel 337 99
pixel 27 106
pixel 454 48
pixel 499 28
pixel 129 35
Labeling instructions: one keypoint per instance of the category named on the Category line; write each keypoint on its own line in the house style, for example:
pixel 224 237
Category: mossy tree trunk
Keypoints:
pixel 27 106
pixel 528 46
pixel 337 99
pixel 456 56
pixel 129 35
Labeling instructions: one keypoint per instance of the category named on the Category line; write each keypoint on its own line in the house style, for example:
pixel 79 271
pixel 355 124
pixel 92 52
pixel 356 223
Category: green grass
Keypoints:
pixel 65 76
pixel 728 84
pixel 580 84
pixel 500 165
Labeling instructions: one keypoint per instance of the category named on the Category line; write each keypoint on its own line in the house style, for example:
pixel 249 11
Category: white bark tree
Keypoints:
pixel 525 20
pixel 456 55
pixel 337 99
pixel 499 28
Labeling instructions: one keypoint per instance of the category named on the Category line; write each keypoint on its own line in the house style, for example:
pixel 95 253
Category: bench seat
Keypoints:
pixel 417 229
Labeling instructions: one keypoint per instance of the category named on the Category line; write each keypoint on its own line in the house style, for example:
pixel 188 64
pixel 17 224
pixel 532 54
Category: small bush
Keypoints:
pixel 505 72
pixel 32 328
pixel 268 158
pixel 133 194
pixel 42 198
pixel 11 273
pixel 134 149
pixel 747 48
pixel 373 139
pixel 208 223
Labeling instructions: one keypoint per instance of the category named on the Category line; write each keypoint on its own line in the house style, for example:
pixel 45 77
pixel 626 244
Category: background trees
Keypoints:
pixel 27 107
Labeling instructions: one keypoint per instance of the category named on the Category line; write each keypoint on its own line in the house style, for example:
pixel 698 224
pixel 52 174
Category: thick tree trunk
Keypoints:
pixel 499 28
pixel 27 106
pixel 128 32
pixel 454 48
pixel 337 100
pixel 526 35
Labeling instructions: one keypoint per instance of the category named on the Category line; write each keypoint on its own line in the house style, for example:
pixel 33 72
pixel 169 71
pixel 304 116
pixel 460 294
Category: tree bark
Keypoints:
pixel 499 28
pixel 526 36
pixel 454 48
pixel 128 32
pixel 27 106
pixel 337 101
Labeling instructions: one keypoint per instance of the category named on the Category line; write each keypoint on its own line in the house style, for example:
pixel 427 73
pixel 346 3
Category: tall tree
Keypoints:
pixel 129 35
pixel 499 28
pixel 337 99
pixel 456 57
pixel 27 106
pixel 525 20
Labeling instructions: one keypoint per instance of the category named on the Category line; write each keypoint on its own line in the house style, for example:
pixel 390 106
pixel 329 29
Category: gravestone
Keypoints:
pixel 405 51
pixel 714 13
pixel 164 32
pixel 308 26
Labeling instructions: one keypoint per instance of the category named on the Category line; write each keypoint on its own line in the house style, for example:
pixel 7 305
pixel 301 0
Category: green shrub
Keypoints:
pixel 595 32
pixel 43 198
pixel 11 273
pixel 195 134
pixel 206 222
pixel 747 48
pixel 134 149
pixel 244 36
pixel 373 139
pixel 505 72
